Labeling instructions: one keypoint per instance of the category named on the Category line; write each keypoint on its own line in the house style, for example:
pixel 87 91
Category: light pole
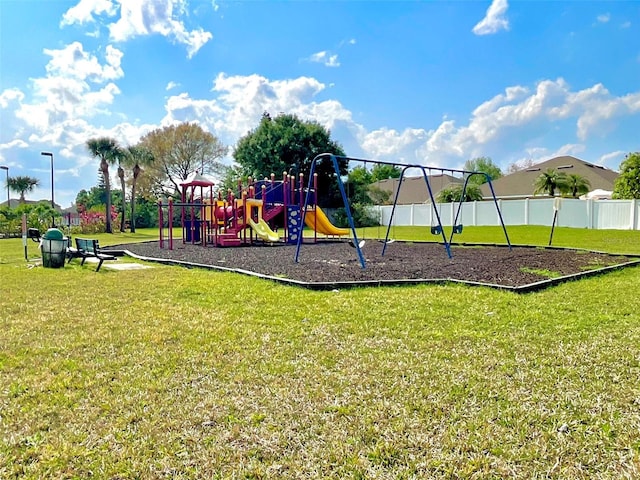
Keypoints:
pixel 3 167
pixel 49 154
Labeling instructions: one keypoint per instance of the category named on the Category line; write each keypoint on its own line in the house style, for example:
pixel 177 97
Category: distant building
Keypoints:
pixel 414 189
pixel 520 184
pixel 16 202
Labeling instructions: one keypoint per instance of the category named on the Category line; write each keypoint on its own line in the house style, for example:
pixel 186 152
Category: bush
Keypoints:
pixel 362 216
pixel 93 220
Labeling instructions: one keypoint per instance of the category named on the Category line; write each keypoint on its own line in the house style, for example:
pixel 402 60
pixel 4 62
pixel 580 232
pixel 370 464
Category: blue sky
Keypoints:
pixel 435 83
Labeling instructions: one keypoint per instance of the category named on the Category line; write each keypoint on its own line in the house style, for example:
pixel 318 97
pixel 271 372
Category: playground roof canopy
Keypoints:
pixel 197 180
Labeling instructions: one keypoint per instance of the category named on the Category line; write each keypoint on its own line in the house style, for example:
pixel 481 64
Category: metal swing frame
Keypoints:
pixel 446 241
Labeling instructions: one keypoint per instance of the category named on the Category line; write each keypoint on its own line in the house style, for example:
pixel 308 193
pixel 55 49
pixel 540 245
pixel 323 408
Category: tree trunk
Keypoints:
pixel 124 200
pixel 104 166
pixel 132 222
pixel 136 172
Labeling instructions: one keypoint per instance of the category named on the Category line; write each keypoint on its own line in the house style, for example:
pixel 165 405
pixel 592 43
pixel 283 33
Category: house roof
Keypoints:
pixel 520 183
pixel 414 189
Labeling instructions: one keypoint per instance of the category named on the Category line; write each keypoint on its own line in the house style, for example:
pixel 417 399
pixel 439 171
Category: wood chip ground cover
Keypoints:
pixel 338 262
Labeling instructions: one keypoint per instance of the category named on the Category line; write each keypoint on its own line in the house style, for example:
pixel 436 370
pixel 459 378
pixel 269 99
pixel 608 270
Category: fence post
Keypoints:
pixel 475 213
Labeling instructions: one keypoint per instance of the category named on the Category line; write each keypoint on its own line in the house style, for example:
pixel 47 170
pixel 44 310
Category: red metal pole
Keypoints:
pixel 171 223
pixel 160 222
pixel 301 190
pixel 284 202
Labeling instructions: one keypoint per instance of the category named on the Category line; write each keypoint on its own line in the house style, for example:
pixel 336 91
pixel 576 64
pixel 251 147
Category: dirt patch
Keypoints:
pixel 338 263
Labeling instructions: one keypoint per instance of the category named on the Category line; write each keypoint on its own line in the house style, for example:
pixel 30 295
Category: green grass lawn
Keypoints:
pixel 184 373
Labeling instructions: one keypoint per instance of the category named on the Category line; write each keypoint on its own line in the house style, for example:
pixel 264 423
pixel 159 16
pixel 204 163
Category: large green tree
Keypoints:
pixel 382 171
pixel 107 150
pixel 484 165
pixel 22 184
pixel 180 150
pixel 575 185
pixel 549 181
pixel 627 185
pixel 288 144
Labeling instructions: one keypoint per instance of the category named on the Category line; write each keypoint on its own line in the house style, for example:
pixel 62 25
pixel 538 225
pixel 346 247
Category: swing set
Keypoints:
pixel 436 228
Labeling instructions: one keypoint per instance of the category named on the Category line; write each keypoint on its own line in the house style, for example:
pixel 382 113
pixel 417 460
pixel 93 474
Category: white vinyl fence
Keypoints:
pixel 593 214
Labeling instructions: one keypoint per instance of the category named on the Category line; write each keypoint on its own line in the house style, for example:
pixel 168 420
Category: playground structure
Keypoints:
pixel 261 207
pixel 436 229
pixel 254 213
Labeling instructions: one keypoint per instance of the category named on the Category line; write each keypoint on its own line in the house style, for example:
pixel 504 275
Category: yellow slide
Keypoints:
pixel 322 224
pixel 263 231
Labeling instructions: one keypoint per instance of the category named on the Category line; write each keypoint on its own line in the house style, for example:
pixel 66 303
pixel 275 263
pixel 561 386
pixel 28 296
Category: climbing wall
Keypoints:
pixel 294 223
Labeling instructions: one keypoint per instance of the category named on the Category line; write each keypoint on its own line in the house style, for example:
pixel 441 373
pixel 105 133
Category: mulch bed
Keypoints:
pixel 332 264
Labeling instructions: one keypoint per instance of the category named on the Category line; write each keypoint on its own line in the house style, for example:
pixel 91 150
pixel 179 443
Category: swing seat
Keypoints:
pixel 436 230
pixel 360 243
pixel 457 228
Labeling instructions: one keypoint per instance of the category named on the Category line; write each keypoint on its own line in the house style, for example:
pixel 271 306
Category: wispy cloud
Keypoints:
pixel 626 24
pixel 326 58
pixel 613 158
pixel 171 86
pixel 603 18
pixel 494 20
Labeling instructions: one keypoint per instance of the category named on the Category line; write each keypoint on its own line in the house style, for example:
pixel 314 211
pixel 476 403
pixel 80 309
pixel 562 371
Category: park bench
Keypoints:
pixel 89 248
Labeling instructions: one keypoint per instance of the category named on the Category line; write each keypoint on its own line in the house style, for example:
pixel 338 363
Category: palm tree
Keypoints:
pixel 136 155
pixel 577 185
pixel 454 192
pixel 549 181
pixel 22 184
pixel 119 154
pixel 105 149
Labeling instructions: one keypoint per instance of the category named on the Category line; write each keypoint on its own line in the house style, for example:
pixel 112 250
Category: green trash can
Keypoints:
pixel 54 248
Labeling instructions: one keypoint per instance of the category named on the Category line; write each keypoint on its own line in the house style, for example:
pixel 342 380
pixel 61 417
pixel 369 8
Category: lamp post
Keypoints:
pixel 49 154
pixel 4 167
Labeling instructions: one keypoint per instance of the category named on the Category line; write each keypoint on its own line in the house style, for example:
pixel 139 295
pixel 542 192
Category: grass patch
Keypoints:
pixel 542 272
pixel 186 373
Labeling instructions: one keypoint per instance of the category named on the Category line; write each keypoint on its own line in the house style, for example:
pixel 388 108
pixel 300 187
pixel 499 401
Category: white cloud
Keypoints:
pixel 76 87
pixel 10 95
pixel 83 12
pixel 142 17
pixel 626 24
pixel 74 62
pixel 171 86
pixel 388 144
pixel 612 158
pixel 324 57
pixel 240 101
pixel 494 20
pixel 17 143
pixel 603 18
pixel 146 17
pixel 518 112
